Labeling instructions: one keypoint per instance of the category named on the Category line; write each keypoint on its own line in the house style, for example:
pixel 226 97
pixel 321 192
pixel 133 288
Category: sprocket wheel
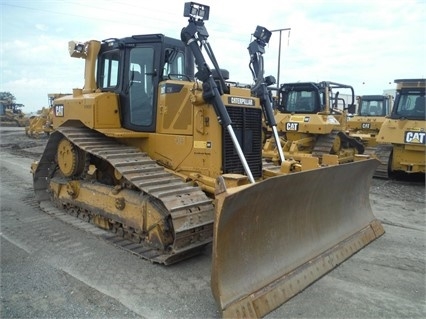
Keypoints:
pixel 71 159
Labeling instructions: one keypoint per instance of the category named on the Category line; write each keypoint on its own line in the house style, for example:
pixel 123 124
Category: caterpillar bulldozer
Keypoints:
pixel 167 155
pixel 365 122
pixel 402 136
pixel 311 121
pixel 41 124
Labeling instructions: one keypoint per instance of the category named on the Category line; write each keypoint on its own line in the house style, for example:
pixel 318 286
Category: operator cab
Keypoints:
pixel 410 104
pixel 312 98
pixel 300 98
pixel 374 105
pixel 133 67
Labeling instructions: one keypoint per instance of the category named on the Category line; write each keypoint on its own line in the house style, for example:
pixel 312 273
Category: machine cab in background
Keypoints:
pixel 312 98
pixel 374 105
pixel 410 103
pixel 302 98
pixel 133 67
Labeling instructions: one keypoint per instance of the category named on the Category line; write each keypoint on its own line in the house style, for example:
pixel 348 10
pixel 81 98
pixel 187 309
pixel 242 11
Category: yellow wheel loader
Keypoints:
pixel 170 161
pixel 365 124
pixel 41 124
pixel 402 136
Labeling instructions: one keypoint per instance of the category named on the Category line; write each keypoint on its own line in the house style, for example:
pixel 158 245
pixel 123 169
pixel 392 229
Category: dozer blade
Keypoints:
pixel 274 238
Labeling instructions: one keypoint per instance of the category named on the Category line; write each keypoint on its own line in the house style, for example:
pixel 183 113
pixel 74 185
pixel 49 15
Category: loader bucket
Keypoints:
pixel 274 238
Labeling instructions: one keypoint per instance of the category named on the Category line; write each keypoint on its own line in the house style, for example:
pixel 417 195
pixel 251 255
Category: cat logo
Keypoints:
pixel 365 125
pixel 415 137
pixel 291 126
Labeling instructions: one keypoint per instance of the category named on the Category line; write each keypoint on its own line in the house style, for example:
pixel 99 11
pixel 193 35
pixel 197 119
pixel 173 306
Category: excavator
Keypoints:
pixel 166 155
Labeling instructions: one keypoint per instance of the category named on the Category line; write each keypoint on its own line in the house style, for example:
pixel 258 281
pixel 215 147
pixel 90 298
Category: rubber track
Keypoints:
pixel 184 202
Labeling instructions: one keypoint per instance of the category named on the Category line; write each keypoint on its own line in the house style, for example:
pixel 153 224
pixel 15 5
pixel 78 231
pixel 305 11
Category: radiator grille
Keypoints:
pixel 247 125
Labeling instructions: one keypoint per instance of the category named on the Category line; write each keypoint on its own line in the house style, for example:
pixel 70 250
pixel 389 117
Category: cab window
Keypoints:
pixel 141 90
pixel 174 66
pixel 109 72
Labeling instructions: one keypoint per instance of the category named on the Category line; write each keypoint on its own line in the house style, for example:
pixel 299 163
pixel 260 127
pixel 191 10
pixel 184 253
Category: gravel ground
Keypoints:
pixel 50 269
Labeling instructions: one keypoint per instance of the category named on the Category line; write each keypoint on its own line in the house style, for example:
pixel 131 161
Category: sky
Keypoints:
pixel 363 43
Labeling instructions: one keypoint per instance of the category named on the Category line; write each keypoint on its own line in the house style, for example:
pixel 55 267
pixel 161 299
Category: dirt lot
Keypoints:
pixel 50 269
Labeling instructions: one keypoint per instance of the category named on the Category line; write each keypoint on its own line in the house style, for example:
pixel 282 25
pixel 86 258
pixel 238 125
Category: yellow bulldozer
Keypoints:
pixel 308 122
pixel 41 124
pixel 365 121
pixel 311 122
pixel 168 155
pixel 370 114
pixel 402 137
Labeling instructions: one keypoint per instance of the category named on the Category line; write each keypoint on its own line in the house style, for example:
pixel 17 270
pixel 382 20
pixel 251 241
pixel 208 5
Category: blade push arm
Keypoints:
pixel 260 88
pixel 195 36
